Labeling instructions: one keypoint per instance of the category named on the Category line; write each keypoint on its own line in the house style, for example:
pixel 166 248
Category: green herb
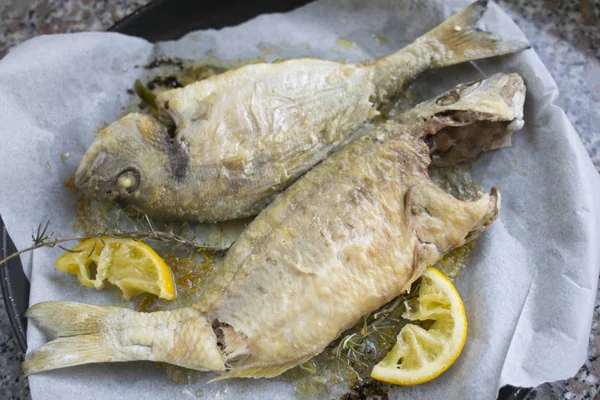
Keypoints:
pixel 145 232
pixel 145 94
pixel 149 98
pixel 376 326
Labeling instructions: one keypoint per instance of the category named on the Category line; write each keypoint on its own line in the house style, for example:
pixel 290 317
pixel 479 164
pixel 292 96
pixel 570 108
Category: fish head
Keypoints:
pixel 471 118
pixel 127 162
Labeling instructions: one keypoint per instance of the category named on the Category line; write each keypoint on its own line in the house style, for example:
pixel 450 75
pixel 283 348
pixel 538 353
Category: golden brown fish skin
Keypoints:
pixel 247 134
pixel 349 236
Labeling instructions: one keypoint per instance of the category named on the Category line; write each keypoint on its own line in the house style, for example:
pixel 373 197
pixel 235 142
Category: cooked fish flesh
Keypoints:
pixel 245 135
pixel 346 238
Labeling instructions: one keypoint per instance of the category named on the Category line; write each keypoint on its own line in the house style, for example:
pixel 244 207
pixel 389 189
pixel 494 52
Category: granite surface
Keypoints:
pixel 566 35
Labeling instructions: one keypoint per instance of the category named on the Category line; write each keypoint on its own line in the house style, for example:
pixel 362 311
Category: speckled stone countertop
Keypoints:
pixel 566 35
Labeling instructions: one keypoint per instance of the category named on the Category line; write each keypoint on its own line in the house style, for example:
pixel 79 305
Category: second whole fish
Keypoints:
pixel 244 135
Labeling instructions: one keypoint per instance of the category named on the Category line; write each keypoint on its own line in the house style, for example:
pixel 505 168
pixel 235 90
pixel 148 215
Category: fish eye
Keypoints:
pixel 128 180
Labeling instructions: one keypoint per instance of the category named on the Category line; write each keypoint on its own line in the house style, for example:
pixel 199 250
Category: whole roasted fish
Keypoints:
pixel 246 134
pixel 346 238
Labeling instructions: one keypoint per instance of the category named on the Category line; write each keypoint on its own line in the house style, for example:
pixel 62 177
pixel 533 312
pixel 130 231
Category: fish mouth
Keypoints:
pixel 88 165
pixel 457 143
pixel 88 179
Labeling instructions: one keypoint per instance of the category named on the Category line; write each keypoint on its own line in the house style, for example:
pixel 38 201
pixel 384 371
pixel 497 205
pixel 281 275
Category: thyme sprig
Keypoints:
pixel 349 347
pixel 143 232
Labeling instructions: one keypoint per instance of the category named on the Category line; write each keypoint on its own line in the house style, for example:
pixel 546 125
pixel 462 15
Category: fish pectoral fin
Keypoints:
pixel 95 334
pixel 256 371
pixel 440 219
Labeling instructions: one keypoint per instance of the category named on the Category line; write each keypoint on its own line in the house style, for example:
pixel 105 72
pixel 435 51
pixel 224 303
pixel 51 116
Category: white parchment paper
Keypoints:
pixel 531 281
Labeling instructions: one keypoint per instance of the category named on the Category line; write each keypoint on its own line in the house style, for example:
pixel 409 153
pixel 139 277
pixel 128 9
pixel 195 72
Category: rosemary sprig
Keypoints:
pixel 44 239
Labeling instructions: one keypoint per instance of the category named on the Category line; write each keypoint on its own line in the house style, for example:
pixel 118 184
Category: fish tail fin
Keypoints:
pixel 67 352
pixel 454 41
pixel 460 221
pixel 96 334
pixel 64 318
pixel 80 341
pixel 463 41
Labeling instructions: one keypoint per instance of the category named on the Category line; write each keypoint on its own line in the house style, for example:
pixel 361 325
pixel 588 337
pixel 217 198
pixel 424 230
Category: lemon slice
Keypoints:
pixel 420 354
pixel 130 265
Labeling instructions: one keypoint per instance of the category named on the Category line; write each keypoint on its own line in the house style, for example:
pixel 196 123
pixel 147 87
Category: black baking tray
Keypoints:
pixel 159 20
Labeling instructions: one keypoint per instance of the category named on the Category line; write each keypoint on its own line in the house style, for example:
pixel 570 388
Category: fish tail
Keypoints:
pixel 64 318
pixel 460 221
pixel 454 41
pixel 96 334
pixel 463 41
pixel 78 327
pixel 67 352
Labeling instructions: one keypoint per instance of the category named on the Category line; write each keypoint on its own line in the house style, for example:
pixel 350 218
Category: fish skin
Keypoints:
pixel 348 237
pixel 245 135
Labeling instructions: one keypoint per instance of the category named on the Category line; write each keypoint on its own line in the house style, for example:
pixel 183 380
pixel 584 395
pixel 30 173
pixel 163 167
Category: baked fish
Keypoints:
pixel 244 135
pixel 346 238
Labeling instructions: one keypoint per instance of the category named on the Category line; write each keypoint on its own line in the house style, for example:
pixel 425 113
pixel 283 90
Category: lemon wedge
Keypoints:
pixel 421 354
pixel 130 265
